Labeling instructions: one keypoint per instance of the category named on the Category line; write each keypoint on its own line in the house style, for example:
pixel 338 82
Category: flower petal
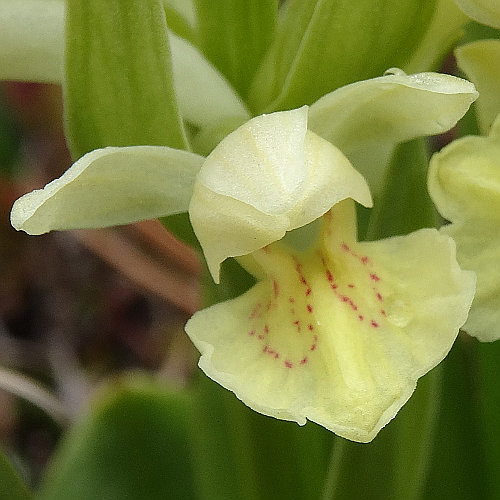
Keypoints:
pixel 204 95
pixel 480 61
pixel 269 176
pixel 464 183
pixel 484 11
pixel 111 186
pixel 339 334
pixel 32 40
pixel 366 119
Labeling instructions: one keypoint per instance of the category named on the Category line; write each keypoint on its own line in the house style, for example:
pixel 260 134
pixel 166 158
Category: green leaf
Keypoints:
pixel 457 468
pixel 31 40
pixel 443 31
pixel 404 203
pixel 234 35
pixel 489 410
pixel 134 444
pixel 321 45
pixel 119 89
pixel 12 486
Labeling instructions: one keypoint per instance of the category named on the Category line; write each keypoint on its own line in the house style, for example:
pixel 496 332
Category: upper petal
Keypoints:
pixel 483 11
pixel 480 61
pixel 111 186
pixel 366 119
pixel 269 176
pixel 32 40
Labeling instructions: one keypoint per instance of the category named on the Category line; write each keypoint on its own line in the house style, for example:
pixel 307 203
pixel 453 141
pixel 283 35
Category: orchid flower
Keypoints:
pixel 338 334
pixel 464 179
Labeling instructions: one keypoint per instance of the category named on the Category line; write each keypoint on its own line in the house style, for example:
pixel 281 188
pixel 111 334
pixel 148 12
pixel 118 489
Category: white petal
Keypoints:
pixel 268 177
pixel 111 186
pixel 32 40
pixel 365 118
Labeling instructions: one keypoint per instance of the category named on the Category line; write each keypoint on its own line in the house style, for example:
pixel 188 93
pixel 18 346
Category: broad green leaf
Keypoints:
pixel 480 61
pixel 133 444
pixel 235 34
pixel 457 469
pixel 404 204
pixel 12 486
pixel 31 40
pixel 366 119
pixel 489 410
pixel 321 45
pixel 119 89
pixel 442 32
pixel 111 186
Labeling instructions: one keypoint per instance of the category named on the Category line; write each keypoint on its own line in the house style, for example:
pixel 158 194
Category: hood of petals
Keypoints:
pixel 269 176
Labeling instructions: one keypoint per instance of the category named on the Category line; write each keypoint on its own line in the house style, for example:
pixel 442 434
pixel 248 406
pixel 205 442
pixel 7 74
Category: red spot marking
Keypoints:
pixel 303 361
pixel 276 289
pixel 382 311
pixel 365 260
pixel 354 307
pixel 288 364
pixel 266 329
pixel 344 298
pixel 313 347
pixel 265 348
pixel 333 286
pixel 311 328
pixel 379 297
pixel 251 333
pixel 374 324
pixel 276 355
pixel 303 280
pixel 374 277
pixel 297 324
pixel 350 285
pixel 308 292
pixel 309 308
pixel 255 311
pixel 291 300
pixel 346 247
pixel 329 276
pixel 261 337
pixel 361 317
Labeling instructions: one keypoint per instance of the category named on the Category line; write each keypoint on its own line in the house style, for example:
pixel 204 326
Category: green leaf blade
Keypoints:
pixel 321 45
pixel 119 88
pixel 235 34
pixel 134 445
pixel 12 486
